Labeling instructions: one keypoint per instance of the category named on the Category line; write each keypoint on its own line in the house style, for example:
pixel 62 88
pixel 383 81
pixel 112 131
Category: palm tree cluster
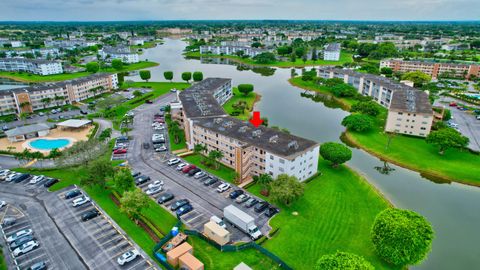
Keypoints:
pixel 210 159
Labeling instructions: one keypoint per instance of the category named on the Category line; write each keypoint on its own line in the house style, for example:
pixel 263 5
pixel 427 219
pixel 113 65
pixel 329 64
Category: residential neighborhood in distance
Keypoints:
pixel 239 135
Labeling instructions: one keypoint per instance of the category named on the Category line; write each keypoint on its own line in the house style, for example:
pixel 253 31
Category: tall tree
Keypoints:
pixel 336 153
pixel 358 122
pixel 93 67
pixel 286 189
pixel 215 156
pixel 417 77
pixel 133 202
pixel 401 237
pixel 145 75
pixel 97 173
pixel 197 76
pixel 168 75
pixel 264 181
pixel 342 260
pixel 117 64
pixel 123 180
pixel 446 138
pixel 245 89
pixel 45 101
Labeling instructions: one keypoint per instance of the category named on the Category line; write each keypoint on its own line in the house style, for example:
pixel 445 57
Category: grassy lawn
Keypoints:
pixel 344 58
pixel 237 97
pixel 146 45
pixel 3 264
pixel 426 159
pixel 27 77
pixel 335 213
pixel 223 172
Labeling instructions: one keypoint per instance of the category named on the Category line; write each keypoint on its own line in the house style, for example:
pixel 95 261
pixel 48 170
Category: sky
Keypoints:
pixel 115 10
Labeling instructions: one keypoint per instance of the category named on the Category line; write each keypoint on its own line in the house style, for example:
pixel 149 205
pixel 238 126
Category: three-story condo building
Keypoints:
pixel 35 66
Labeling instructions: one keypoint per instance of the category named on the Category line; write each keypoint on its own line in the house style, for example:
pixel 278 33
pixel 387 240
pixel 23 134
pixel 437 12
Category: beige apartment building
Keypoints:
pixel 247 149
pixel 433 69
pixel 410 113
pixel 29 99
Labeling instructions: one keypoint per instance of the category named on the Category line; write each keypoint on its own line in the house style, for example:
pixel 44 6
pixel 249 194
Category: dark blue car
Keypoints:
pixel 184 209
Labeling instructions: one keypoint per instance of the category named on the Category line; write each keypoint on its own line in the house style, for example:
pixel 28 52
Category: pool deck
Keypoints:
pixel 73 136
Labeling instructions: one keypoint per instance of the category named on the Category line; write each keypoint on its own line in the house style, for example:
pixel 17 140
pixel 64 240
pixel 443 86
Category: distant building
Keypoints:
pixel 27 132
pixel 69 43
pixel 332 52
pixel 16 44
pixel 231 50
pixel 410 113
pixel 456 47
pixel 35 66
pixel 122 53
pixel 394 96
pixel 247 149
pixel 29 99
pixel 433 69
pixel 175 31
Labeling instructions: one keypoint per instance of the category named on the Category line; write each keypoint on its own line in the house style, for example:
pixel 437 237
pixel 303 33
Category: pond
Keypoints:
pixel 451 208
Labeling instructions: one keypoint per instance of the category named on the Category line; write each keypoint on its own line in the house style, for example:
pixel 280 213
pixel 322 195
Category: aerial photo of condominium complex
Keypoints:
pixel 239 135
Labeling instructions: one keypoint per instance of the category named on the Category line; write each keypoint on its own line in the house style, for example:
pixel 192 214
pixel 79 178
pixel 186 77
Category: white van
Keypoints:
pixel 219 221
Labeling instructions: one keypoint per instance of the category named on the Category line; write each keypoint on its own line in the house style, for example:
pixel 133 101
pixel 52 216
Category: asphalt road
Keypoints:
pixel 205 200
pixel 468 125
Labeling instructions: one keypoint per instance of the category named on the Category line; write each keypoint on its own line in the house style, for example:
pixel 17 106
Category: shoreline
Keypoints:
pixel 347 138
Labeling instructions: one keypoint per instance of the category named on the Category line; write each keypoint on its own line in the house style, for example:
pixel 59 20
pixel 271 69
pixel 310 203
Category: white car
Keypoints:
pixel 2 204
pixel 25 248
pixel 199 175
pixel 37 179
pixel 223 187
pixel 4 173
pixel 180 166
pixel 219 221
pixel 161 148
pixel 80 201
pixel 19 234
pixel 153 190
pixel 173 161
pixel 10 177
pixel 127 257
pixel 157 183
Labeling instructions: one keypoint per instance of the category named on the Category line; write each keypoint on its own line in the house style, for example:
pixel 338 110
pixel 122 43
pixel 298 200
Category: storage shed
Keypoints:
pixel 174 254
pixel 27 132
pixel 189 262
pixel 218 234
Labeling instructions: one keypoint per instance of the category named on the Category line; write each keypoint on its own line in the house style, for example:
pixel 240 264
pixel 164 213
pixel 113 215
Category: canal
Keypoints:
pixel 451 208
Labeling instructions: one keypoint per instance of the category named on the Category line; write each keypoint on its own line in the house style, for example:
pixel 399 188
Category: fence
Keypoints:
pixel 160 258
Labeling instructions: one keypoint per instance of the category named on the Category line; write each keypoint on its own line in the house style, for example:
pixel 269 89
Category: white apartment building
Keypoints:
pixel 35 66
pixel 332 52
pixel 410 113
pixel 231 50
pixel 16 44
pixel 247 149
pixel 122 53
pixel 391 95
pixel 29 99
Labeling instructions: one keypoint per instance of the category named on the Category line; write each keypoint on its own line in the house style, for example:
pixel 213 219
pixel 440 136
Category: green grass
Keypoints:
pixel 3 263
pixel 146 45
pixel 345 57
pixel 335 213
pixel 27 77
pixel 223 172
pixel 237 96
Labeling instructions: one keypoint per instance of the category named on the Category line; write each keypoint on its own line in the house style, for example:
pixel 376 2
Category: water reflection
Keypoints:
pixel 264 71
pixel 385 168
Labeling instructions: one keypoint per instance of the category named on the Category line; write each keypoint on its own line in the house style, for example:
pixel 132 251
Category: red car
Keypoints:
pixel 453 104
pixel 188 168
pixel 120 151
pixel 159 120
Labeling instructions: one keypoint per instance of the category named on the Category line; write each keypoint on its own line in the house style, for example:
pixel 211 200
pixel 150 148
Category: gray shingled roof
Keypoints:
pixel 26 129
pixel 413 101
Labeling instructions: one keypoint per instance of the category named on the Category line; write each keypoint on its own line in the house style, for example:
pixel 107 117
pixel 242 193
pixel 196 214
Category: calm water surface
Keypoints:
pixel 451 208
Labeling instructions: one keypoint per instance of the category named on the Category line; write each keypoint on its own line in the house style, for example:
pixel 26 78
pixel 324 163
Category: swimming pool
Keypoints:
pixel 49 144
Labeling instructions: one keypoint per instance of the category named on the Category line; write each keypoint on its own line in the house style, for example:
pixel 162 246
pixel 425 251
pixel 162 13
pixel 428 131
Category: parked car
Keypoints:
pixel 173 161
pixel 178 204
pixel 8 221
pixel 251 202
pixel 80 201
pixel 242 198
pixel 180 166
pixel 72 194
pixel 161 148
pixel 19 234
pixel 153 190
pixel 219 221
pixel 21 241
pixel 223 187
pixel 3 204
pixel 21 177
pixel 136 174
pixel 37 179
pixel 148 101
pixel 200 175
pixel 83 112
pixel 25 248
pixel 50 182
pixel 120 151
pixel 261 206
pixel 127 257
pixel 271 211
pixel 90 214
pixel 156 184
pixel 146 145
pixel 165 198
pixel 193 171
pixel 210 181
pixel 184 209
pixel 142 179
pixel 478 117
pixel 188 168
pixel 234 194
pixel 452 104
pixel 38 266
pixel 11 176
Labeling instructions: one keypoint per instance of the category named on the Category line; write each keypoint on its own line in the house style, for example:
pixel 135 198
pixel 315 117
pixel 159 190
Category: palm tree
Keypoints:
pixel 125 131
pixel 264 181
pixel 57 99
pixel 23 117
pixel 215 155
pixel 46 101
pixel 198 148
pixel 24 104
pixel 175 130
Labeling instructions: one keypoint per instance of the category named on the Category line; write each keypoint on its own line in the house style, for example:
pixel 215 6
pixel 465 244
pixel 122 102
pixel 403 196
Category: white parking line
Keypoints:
pixel 135 265
pixel 30 260
pixel 192 219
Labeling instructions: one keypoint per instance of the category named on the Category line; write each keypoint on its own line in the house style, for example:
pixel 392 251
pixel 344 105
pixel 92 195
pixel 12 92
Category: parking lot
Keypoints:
pixel 206 201
pixel 65 240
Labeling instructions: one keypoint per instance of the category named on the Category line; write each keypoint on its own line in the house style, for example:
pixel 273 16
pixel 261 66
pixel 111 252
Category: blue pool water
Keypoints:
pixel 47 144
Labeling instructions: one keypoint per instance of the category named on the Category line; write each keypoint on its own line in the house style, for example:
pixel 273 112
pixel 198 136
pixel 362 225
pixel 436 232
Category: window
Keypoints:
pixel 281 169
pixel 400 113
pixel 271 157
pixel 423 128
pixel 282 161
